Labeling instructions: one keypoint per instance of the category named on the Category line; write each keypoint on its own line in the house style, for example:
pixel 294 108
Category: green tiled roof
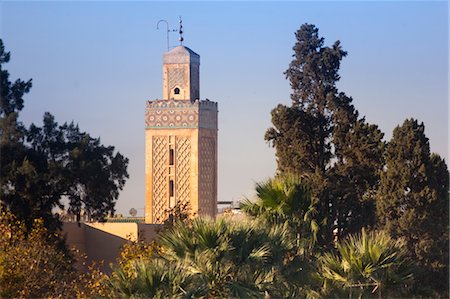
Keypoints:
pixel 126 220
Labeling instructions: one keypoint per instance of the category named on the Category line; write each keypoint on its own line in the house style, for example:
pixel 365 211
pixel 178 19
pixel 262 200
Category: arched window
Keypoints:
pixel 176 90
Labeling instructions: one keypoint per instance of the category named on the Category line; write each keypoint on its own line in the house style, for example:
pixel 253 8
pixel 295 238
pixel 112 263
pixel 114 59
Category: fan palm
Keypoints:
pixel 220 258
pixel 287 200
pixel 154 278
pixel 227 259
pixel 367 264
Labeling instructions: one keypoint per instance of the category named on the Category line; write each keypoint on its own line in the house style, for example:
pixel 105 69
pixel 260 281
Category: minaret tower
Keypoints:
pixel 180 141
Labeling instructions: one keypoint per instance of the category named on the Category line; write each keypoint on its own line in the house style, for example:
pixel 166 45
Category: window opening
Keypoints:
pixel 171 157
pixel 176 90
pixel 171 188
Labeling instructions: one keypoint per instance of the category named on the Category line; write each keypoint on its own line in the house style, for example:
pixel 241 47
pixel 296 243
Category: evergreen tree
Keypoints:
pixel 41 165
pixel 13 162
pixel 321 137
pixel 354 177
pixel 12 132
pixel 413 202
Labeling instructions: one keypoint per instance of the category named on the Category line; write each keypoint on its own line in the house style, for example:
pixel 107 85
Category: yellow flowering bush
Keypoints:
pixel 33 263
pixel 133 251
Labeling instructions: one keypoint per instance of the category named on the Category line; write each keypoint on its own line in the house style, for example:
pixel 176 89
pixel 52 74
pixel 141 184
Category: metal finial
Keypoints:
pixel 168 31
pixel 181 39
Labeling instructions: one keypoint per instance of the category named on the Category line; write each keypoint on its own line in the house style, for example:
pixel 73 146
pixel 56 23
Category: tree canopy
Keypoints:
pixel 348 214
pixel 322 138
pixel 53 166
pixel 412 201
pixel 357 179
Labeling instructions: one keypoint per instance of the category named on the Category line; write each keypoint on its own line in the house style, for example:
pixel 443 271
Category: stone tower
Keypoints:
pixel 180 141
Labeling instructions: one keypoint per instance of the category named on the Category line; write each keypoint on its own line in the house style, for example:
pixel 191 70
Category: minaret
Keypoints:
pixel 180 141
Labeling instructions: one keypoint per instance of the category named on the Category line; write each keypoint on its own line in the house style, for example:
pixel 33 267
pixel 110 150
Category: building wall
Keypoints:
pixel 183 76
pixel 182 123
pixel 190 128
pixel 207 178
pixel 158 172
pixel 103 241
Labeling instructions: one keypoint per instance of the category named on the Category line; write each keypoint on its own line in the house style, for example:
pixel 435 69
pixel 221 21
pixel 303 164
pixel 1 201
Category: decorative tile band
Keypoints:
pixel 181 104
pixel 166 114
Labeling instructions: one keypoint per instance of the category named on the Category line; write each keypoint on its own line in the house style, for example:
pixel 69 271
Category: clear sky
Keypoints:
pixel 96 63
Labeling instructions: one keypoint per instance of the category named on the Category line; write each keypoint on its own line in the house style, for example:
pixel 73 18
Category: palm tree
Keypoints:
pixel 286 199
pixel 154 278
pixel 368 264
pixel 206 258
pixel 227 259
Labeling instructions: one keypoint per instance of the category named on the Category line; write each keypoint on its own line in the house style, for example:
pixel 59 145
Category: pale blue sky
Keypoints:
pixel 98 62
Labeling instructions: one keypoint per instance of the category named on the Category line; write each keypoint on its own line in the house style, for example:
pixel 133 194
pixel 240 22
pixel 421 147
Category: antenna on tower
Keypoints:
pixel 168 31
pixel 181 32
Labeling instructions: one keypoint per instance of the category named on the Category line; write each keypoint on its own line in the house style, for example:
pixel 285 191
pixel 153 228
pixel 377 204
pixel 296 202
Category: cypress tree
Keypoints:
pixel 321 137
pixel 412 202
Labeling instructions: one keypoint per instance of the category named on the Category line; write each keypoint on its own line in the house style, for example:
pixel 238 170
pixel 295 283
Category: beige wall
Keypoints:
pixel 192 134
pixel 103 241
pixel 207 174
pixel 180 117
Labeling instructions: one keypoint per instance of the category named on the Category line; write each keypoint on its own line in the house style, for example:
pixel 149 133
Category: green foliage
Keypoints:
pixel 155 279
pixel 321 138
pixel 313 72
pixel 354 177
pixel 215 259
pixel 226 257
pixel 335 177
pixel 41 165
pixel 413 202
pixel 11 102
pixel 366 265
pixel 287 200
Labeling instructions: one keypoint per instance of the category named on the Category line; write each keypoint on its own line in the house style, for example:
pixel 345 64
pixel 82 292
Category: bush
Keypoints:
pixel 33 263
pixel 205 258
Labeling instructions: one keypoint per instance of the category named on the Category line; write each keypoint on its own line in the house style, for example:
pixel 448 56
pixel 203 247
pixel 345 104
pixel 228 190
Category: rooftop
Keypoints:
pixel 181 54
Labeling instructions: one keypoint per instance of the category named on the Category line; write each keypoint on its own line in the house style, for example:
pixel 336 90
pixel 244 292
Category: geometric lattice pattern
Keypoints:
pixel 195 93
pixel 176 77
pixel 183 169
pixel 207 119
pixel 169 118
pixel 207 175
pixel 160 157
pixel 181 131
